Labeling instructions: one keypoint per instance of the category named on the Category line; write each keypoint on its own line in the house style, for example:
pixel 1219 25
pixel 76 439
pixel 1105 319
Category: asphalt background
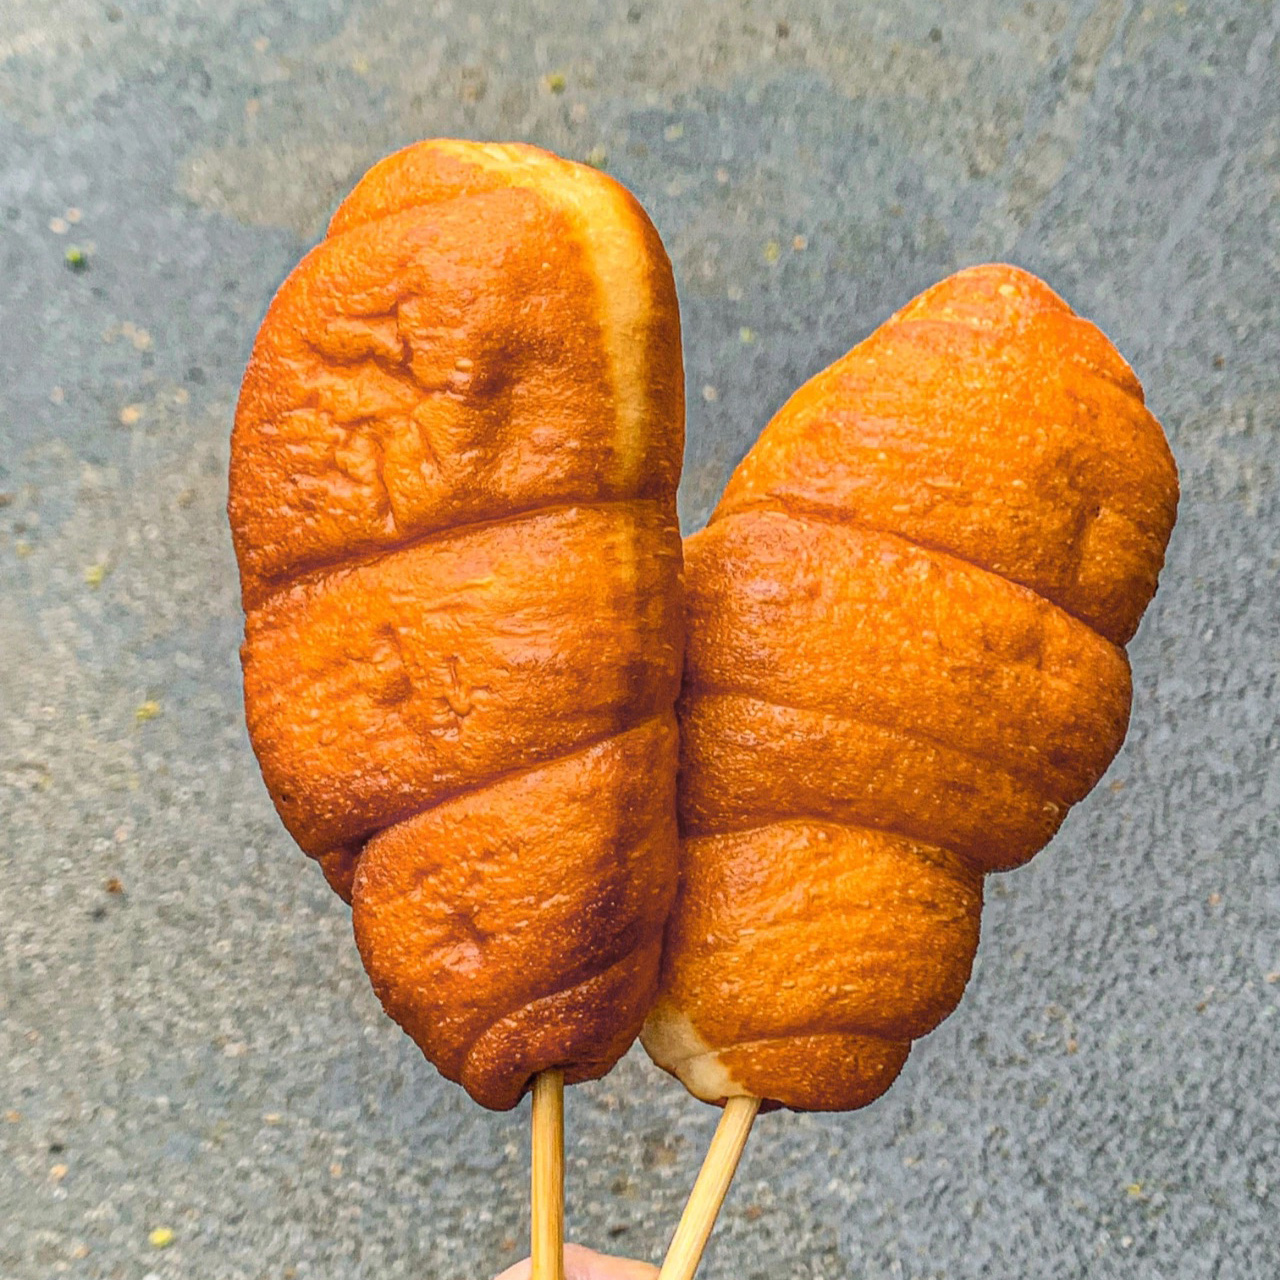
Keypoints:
pixel 199 1050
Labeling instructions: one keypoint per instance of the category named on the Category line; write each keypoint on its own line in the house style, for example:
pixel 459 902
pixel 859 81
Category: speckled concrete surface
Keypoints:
pixel 188 1040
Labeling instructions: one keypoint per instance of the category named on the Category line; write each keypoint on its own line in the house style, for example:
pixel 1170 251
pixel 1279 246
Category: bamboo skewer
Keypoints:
pixel 690 1239
pixel 546 1227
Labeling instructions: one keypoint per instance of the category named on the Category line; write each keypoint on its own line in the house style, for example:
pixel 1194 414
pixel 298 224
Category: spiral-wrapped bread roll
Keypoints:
pixel 904 665
pixel 453 484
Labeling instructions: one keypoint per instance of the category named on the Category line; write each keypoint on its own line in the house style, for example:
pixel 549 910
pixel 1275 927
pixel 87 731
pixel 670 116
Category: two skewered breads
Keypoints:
pixel 452 497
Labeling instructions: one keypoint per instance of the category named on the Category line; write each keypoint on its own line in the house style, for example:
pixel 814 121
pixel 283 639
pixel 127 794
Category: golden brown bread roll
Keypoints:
pixel 904 665
pixel 453 484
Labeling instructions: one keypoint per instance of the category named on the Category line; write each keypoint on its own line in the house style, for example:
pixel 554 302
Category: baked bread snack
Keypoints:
pixel 453 482
pixel 905 663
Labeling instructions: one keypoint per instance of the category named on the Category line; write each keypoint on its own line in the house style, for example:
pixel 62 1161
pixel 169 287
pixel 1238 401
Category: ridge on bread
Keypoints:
pixel 905 663
pixel 452 496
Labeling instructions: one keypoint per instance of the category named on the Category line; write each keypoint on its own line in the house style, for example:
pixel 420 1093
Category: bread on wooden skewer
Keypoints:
pixel 453 482
pixel 905 663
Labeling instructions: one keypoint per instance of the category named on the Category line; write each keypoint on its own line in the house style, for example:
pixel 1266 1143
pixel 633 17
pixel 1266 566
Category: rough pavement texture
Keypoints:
pixel 187 1039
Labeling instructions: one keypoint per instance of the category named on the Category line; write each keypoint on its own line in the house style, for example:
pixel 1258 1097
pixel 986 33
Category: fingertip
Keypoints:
pixel 581 1263
pixel 522 1270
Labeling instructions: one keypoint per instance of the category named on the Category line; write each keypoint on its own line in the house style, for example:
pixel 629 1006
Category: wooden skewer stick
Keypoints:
pixel 547 1191
pixel 690 1239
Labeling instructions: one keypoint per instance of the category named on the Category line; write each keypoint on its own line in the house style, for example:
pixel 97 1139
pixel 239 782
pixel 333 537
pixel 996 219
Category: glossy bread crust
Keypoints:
pixel 453 483
pixel 904 666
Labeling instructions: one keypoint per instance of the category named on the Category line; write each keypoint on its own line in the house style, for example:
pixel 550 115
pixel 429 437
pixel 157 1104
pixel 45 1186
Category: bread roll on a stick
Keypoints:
pixel 453 487
pixel 905 663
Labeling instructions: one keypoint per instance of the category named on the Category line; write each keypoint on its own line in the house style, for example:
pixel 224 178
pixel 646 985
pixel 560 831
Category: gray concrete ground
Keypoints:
pixel 188 1041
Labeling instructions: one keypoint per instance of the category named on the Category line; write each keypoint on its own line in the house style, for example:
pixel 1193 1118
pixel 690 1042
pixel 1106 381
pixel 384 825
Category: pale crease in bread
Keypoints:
pixel 670 1039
